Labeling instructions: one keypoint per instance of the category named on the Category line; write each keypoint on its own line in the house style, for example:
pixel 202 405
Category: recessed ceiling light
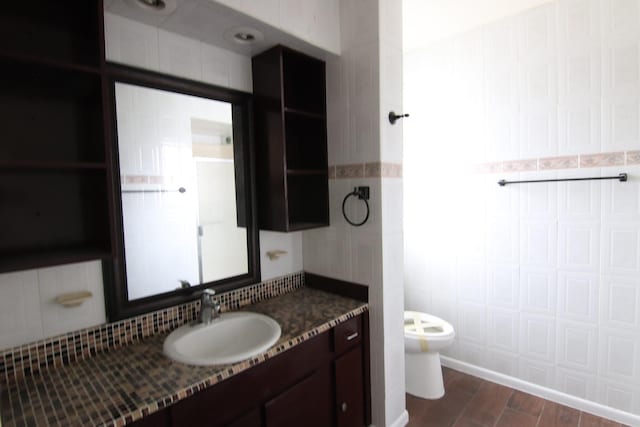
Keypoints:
pixel 158 7
pixel 243 35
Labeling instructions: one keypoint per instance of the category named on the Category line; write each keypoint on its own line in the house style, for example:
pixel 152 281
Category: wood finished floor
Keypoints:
pixel 473 402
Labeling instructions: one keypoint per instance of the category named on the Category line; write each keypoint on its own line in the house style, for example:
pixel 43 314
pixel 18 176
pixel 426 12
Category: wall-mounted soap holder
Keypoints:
pixel 275 254
pixel 73 299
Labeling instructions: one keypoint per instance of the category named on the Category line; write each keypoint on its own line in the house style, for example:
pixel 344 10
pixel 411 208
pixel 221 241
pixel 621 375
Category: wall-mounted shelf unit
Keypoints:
pixel 54 206
pixel 291 140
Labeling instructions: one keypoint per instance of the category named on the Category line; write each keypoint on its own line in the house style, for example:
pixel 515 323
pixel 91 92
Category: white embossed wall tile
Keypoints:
pixel 620 124
pixel 20 318
pixel 471 282
pixel 579 129
pixel 538 290
pixel 537 337
pixel 577 383
pixel 538 131
pixel 539 243
pixel 620 302
pixel 537 371
pixel 579 200
pixel 619 357
pixel 539 201
pixel 578 296
pixel 503 330
pixel 472 323
pixel 621 248
pixel 621 201
pixel 619 395
pixel 503 362
pixel 577 346
pixel 579 246
pixel 503 284
pixel 537 33
pixel 579 24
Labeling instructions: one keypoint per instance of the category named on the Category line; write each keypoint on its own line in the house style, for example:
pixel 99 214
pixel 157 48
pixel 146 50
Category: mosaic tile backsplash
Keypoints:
pixel 62 350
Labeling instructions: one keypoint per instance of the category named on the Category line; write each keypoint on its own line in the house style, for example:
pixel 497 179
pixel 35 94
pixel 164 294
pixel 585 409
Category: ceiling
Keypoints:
pixel 425 21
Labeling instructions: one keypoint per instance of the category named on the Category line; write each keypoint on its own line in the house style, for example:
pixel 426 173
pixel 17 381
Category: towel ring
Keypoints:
pixel 363 194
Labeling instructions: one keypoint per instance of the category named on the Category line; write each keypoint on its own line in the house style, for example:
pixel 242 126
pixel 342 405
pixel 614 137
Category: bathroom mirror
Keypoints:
pixel 184 194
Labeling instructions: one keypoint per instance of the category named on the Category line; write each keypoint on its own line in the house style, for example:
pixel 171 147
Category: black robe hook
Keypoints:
pixel 393 117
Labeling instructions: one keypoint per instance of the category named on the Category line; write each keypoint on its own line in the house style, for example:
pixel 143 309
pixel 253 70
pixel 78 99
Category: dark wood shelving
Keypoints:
pixel 306 172
pixel 51 257
pixel 308 114
pixel 27 59
pixel 291 140
pixel 54 187
pixel 33 165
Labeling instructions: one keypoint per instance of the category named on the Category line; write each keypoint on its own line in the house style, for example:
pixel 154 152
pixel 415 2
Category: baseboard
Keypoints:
pixel 543 392
pixel 402 420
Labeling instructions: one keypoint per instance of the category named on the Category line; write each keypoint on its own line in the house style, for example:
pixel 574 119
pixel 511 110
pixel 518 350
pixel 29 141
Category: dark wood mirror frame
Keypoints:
pixel 116 295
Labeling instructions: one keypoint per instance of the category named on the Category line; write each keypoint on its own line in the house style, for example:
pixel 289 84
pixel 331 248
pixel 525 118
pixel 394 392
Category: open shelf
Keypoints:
pixel 50 115
pixel 16 261
pixel 291 140
pixel 27 165
pixel 304 82
pixel 306 142
pixel 66 32
pixel 306 201
pixel 48 212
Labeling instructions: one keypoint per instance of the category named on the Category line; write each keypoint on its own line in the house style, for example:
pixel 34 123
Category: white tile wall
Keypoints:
pixel 28 311
pixel 559 263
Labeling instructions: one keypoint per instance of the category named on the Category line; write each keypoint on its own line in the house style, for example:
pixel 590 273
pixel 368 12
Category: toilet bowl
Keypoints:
pixel 424 337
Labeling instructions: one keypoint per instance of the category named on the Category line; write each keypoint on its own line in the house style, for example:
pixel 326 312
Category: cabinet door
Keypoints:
pixel 252 419
pixel 349 389
pixel 307 403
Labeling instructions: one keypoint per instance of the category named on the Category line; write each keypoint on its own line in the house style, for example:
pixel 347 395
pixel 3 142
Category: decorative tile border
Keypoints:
pixel 601 160
pixel 62 350
pixel 366 170
pixel 579 161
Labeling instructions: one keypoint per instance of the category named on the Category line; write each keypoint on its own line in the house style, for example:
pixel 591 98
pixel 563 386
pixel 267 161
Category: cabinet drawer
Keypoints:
pixel 347 334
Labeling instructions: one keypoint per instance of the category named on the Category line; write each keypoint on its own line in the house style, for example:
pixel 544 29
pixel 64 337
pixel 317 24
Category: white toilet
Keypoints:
pixel 424 337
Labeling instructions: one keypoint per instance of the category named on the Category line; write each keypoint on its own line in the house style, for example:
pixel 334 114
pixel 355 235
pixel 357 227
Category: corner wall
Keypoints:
pixel 363 85
pixel 541 281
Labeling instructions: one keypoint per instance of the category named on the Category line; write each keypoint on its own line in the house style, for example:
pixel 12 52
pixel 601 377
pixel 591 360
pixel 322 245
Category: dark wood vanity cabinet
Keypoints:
pixel 54 203
pixel 318 383
pixel 291 140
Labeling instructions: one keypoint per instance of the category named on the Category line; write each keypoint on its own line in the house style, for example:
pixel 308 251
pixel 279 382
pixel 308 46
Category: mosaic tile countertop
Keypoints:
pixel 113 388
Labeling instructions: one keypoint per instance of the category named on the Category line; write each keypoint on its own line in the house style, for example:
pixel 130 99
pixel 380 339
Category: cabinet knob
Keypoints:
pixel 344 407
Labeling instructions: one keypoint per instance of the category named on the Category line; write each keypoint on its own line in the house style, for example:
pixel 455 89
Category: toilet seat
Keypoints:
pixel 421 325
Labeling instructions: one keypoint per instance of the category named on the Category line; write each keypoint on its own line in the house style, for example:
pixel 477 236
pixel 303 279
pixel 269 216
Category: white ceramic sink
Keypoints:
pixel 230 338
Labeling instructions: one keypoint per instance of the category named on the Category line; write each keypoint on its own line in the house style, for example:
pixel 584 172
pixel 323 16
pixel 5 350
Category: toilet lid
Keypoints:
pixel 421 324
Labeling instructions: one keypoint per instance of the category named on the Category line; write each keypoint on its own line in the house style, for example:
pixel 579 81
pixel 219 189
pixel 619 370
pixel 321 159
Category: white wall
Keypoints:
pixel 541 281
pixel 363 85
pixel 428 21
pixel 28 310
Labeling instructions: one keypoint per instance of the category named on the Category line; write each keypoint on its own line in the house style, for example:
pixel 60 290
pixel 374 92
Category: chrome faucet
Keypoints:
pixel 209 307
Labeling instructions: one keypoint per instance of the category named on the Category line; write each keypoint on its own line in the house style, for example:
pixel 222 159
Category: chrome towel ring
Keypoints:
pixel 363 194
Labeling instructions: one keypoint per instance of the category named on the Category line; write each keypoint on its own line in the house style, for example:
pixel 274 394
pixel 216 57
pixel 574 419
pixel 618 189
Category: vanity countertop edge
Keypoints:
pixel 123 385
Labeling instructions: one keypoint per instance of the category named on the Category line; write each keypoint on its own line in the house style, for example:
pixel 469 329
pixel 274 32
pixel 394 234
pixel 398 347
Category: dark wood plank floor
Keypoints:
pixel 473 402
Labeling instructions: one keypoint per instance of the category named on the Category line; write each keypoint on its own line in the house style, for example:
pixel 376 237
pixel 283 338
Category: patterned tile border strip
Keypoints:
pixel 366 170
pixel 62 350
pixel 579 161
pixel 233 370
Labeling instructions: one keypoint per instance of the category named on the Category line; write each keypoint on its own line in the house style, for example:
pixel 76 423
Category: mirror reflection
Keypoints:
pixel 181 222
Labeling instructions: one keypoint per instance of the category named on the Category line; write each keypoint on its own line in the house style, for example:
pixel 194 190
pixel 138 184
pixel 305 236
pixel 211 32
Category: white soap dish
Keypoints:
pixel 73 299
